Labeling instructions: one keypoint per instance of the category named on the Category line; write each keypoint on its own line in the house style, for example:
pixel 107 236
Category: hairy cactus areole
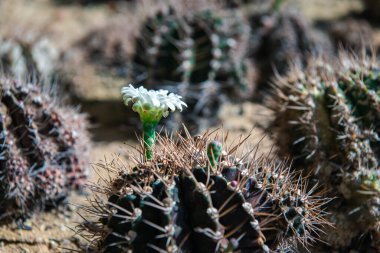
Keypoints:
pixel 197 196
pixel 44 151
pixel 197 54
pixel 328 117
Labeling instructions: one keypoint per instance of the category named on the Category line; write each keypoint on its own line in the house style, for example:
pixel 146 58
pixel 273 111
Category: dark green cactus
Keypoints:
pixel 328 117
pixel 194 55
pixel 177 203
pixel 43 146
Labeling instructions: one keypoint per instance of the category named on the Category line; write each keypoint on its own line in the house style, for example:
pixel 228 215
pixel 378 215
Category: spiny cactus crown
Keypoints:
pixel 328 117
pixel 193 49
pixel 178 203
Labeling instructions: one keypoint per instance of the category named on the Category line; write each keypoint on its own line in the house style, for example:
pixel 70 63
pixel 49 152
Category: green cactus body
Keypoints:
pixel 176 203
pixel 193 55
pixel 330 121
pixel 43 149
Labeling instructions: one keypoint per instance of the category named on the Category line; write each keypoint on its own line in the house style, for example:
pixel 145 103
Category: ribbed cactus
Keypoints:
pixel 328 117
pixel 279 39
pixel 28 57
pixel 194 197
pixel 197 55
pixel 44 152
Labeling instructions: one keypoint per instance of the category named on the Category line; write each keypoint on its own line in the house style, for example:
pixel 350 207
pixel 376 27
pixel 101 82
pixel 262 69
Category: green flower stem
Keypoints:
pixel 277 5
pixel 149 136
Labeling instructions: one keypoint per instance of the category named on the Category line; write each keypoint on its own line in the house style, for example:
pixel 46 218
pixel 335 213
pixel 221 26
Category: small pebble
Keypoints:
pixel 63 228
pixel 65 242
pixel 53 244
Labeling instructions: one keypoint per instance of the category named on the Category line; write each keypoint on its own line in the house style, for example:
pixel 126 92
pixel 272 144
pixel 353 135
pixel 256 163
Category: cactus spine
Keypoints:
pixel 194 55
pixel 43 149
pixel 178 203
pixel 328 118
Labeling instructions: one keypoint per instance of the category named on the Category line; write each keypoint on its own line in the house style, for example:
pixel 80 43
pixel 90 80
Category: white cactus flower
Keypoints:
pixel 151 104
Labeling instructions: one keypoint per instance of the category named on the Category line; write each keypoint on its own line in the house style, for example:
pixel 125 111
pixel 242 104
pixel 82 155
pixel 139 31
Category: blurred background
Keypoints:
pixel 90 49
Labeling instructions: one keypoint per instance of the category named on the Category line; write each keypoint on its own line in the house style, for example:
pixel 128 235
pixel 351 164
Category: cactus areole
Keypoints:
pixel 151 106
pixel 196 197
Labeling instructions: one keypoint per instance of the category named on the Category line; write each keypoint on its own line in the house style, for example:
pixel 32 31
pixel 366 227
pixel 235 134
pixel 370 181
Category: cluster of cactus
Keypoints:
pixel 197 55
pixel 43 147
pixel 20 58
pixel 193 196
pixel 328 117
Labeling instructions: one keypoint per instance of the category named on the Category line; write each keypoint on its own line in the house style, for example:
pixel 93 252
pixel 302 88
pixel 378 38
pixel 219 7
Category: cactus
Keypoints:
pixel 328 117
pixel 196 55
pixel 20 57
pixel 44 150
pixel 178 203
pixel 279 39
pixel 352 34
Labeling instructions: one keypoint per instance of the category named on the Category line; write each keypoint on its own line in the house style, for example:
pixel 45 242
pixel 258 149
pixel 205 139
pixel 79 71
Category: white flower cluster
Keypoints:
pixel 151 100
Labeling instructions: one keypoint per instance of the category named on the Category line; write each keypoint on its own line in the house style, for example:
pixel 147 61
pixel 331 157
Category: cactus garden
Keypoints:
pixel 186 126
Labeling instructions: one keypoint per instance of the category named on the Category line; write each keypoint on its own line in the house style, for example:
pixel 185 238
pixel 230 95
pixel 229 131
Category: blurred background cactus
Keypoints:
pixel 242 205
pixel 44 149
pixel 198 54
pixel 328 119
pixel 23 57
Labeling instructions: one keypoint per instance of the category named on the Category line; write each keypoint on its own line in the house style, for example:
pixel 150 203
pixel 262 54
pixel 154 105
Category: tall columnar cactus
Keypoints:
pixel 22 57
pixel 180 202
pixel 197 55
pixel 44 151
pixel 328 117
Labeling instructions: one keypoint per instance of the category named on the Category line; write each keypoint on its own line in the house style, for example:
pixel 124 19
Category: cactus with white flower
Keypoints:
pixel 199 54
pixel 151 106
pixel 196 196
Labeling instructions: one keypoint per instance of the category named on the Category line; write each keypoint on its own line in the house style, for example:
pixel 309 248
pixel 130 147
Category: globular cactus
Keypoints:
pixel 44 151
pixel 193 196
pixel 197 54
pixel 328 118
pixel 280 39
pixel 22 57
